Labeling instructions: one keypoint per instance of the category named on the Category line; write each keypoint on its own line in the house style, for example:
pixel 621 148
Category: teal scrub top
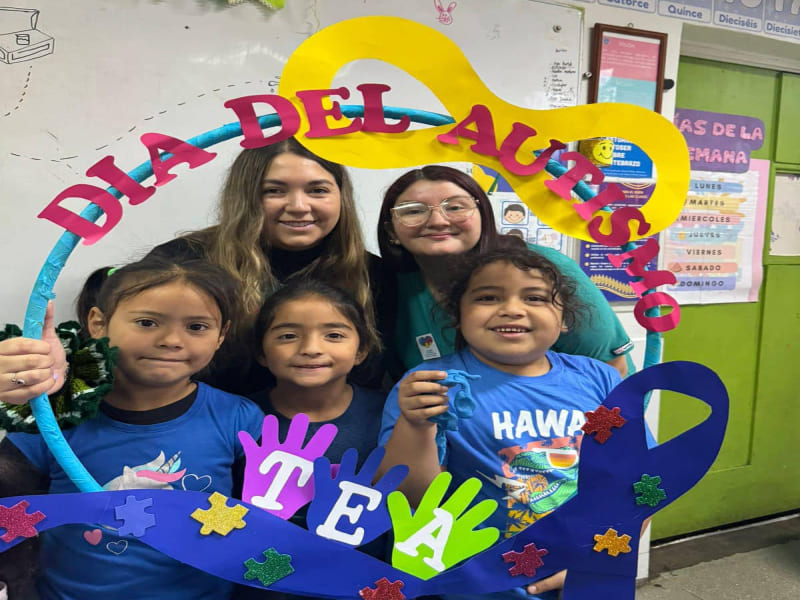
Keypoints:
pixel 424 331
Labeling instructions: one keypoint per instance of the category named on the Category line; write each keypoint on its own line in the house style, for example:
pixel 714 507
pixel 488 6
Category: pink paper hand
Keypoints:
pixel 278 477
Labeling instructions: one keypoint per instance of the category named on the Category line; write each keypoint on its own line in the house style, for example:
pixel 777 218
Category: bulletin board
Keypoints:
pixel 83 80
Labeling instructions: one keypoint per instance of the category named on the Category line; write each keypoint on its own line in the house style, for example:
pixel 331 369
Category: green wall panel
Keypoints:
pixel 787 149
pixel 757 473
pixel 754 347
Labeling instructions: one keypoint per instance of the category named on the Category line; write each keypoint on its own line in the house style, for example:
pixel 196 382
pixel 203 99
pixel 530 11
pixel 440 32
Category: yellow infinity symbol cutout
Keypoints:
pixel 454 82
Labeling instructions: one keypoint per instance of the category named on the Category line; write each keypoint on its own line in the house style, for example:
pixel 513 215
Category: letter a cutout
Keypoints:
pixel 427 536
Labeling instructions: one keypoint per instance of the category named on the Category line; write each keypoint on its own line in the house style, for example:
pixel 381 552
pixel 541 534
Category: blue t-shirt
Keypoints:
pixel 194 452
pixel 357 427
pixel 523 440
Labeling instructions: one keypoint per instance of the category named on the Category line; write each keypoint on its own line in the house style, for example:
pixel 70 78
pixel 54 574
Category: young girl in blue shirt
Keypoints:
pixel 310 335
pixel 156 428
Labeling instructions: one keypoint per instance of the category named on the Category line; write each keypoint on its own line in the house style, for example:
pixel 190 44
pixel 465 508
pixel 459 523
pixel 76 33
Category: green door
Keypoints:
pixel 754 347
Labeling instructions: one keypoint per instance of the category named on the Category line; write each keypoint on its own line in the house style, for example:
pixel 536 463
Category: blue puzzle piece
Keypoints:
pixel 136 519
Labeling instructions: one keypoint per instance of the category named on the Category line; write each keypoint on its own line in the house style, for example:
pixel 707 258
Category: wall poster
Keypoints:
pixel 714 248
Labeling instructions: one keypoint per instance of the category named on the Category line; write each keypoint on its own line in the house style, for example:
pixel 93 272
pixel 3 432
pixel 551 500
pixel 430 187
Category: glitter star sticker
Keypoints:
pixel 648 490
pixel 527 561
pixel 383 590
pixel 612 542
pixel 601 421
pixel 275 567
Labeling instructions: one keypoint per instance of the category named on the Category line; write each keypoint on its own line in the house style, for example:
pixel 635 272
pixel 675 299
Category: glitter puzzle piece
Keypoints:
pixel 527 561
pixel 220 518
pixel 648 490
pixel 601 421
pixel 17 522
pixel 383 590
pixel 136 519
pixel 612 542
pixel 275 567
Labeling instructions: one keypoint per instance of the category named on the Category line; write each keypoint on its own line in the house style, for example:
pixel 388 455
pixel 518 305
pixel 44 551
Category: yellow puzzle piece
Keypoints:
pixel 612 542
pixel 220 518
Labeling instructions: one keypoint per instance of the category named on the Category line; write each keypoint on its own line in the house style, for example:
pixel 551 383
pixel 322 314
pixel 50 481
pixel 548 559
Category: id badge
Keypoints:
pixel 427 346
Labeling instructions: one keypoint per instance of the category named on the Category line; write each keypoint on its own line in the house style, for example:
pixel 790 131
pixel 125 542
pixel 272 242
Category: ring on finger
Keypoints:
pixel 17 380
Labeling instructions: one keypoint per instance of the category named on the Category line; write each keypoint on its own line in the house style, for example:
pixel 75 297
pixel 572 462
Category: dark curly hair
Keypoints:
pixel 510 249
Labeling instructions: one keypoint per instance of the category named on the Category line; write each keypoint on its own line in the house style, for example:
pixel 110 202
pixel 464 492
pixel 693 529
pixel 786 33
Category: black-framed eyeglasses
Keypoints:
pixel 455 209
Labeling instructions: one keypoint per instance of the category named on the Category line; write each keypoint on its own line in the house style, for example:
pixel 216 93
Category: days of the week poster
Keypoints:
pixel 714 248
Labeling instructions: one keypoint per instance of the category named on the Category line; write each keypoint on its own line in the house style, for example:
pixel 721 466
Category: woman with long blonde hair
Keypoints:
pixel 283 212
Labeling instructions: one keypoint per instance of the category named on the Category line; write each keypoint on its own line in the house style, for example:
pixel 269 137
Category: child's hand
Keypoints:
pixel 554 582
pixel 420 397
pixel 30 367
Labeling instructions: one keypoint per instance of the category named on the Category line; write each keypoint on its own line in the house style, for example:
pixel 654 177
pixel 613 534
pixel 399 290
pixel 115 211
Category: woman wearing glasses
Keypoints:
pixel 430 216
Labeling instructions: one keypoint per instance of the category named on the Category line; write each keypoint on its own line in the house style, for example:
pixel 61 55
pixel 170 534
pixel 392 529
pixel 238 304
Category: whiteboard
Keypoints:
pixel 83 80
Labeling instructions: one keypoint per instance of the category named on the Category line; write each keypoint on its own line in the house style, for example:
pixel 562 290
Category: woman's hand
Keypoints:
pixel 420 397
pixel 29 367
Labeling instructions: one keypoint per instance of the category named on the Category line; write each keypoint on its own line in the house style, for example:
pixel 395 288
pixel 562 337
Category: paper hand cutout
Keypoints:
pixel 348 507
pixel 278 476
pixel 448 535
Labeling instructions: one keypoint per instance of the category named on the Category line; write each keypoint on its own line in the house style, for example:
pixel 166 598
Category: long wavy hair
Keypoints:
pixel 395 256
pixel 238 243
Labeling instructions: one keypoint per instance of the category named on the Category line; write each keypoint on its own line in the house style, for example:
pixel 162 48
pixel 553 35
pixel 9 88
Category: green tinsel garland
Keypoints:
pixel 91 363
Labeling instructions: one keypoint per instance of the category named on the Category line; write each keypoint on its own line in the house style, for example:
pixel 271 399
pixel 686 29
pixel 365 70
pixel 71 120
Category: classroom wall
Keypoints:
pixel 696 338
pixel 119 68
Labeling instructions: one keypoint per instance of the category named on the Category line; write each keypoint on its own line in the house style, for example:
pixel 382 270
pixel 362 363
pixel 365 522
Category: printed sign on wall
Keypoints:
pixel 719 141
pixel 714 249
pixel 778 19
pixel 613 281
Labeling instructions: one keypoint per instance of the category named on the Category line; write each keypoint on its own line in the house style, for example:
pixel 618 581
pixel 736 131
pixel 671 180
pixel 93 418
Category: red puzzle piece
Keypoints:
pixel 527 561
pixel 384 590
pixel 17 522
pixel 601 421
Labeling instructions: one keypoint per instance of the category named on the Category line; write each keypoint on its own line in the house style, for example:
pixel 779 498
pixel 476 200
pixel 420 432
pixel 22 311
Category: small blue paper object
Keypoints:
pixel 462 406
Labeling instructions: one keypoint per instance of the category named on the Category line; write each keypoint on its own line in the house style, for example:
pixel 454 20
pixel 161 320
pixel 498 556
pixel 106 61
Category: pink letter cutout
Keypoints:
pixel 373 110
pixel 482 135
pixel 253 136
pixel 511 145
pixel 316 113
pixel 74 223
pixel 182 152
pixel 106 170
pixel 662 323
